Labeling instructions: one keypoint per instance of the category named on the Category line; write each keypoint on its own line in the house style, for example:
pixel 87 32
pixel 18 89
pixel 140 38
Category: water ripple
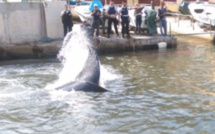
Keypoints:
pixel 151 92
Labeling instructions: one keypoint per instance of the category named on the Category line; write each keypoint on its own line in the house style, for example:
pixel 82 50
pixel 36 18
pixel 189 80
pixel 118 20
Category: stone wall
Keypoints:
pixel 26 22
pixel 54 24
pixel 20 22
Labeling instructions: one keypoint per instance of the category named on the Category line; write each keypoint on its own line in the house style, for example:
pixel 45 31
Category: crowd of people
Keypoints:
pixel 121 16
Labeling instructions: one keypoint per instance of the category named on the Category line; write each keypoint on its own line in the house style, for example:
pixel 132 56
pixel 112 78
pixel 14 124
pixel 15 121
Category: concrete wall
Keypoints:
pixel 212 1
pixel 20 22
pixel 30 21
pixel 132 2
pixel 14 0
pixel 54 24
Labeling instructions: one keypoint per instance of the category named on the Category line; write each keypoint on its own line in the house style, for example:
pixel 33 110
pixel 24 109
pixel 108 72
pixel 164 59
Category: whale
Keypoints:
pixel 88 78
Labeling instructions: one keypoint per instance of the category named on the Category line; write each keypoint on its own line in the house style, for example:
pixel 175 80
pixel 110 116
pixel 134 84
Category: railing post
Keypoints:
pixel 193 23
pixel 178 21
pixel 170 29
pixel 210 27
pixel 214 38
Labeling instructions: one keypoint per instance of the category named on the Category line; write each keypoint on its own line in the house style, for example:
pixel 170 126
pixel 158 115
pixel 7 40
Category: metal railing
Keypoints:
pixel 33 0
pixel 7 1
pixel 210 30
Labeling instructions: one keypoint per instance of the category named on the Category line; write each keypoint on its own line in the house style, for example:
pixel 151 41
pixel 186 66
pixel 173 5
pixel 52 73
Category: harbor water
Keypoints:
pixel 168 91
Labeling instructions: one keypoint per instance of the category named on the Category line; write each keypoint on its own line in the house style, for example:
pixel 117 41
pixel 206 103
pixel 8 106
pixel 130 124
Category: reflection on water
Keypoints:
pixel 167 91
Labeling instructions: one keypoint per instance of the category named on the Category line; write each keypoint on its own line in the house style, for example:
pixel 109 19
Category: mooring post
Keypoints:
pixel 134 48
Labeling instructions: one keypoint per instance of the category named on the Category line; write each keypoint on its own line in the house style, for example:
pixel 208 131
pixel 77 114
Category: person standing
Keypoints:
pixel 138 14
pixel 104 17
pixel 162 19
pixel 151 22
pixel 112 17
pixel 96 13
pixel 152 5
pixel 66 16
pixel 125 19
pixel 78 3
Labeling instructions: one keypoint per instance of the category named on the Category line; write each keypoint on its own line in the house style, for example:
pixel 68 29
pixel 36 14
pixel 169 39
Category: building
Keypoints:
pixel 157 2
pixel 130 2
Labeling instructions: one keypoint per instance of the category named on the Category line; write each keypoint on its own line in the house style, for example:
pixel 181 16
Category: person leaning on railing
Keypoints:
pixel 162 19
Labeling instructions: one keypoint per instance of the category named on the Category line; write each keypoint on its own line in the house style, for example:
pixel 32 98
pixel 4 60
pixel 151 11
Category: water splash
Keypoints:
pixel 73 54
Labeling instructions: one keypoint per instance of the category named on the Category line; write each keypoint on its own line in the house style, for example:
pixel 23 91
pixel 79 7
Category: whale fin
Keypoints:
pixel 82 86
pixel 88 87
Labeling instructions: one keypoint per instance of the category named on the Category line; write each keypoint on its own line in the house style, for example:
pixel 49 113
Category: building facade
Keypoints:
pixel 157 2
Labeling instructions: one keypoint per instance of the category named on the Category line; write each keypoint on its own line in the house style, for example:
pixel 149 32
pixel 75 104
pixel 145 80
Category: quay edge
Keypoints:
pixel 136 43
pixel 103 45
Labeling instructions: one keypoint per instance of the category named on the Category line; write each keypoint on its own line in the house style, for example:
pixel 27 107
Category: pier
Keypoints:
pixel 135 43
pixel 24 40
pixel 102 44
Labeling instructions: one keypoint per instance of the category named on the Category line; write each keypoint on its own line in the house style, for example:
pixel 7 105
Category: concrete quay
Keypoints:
pixel 34 50
pixel 135 43
pixel 25 25
pixel 103 45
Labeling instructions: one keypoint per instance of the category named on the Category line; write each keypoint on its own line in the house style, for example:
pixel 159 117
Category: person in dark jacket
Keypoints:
pixel 66 16
pixel 125 19
pixel 96 13
pixel 112 14
pixel 138 14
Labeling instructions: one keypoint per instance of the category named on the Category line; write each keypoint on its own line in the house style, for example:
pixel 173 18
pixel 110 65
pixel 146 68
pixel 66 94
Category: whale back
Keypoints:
pixel 88 79
pixel 91 69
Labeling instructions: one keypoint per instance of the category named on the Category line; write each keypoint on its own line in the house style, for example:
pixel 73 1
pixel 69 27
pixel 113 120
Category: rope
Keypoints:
pixel 42 53
pixel 2 52
pixel 38 51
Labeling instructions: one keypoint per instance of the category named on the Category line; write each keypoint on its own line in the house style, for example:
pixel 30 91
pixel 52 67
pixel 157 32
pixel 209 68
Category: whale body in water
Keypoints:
pixel 88 78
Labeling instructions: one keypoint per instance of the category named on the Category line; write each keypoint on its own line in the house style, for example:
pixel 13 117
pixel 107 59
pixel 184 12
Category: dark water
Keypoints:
pixel 152 92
